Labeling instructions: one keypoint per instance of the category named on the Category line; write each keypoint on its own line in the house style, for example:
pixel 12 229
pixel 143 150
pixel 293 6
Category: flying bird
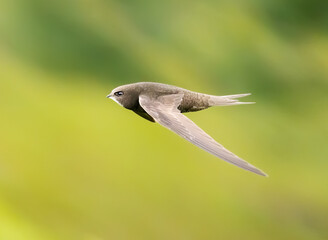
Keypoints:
pixel 165 104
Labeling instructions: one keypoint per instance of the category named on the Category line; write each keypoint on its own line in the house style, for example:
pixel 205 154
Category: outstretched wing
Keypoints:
pixel 164 110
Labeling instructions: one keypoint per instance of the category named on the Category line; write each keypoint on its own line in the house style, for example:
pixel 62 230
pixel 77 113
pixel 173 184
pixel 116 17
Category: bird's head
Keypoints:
pixel 126 96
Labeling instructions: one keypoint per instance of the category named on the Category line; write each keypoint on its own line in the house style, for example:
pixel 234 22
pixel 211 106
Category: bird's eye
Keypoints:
pixel 119 93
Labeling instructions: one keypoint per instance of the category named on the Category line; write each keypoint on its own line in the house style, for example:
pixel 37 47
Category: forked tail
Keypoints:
pixel 228 100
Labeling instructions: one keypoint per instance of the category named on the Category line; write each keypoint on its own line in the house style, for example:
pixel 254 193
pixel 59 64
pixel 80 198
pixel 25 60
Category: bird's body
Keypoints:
pixel 164 104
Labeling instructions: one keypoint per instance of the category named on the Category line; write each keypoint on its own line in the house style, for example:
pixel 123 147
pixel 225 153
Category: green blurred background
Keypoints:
pixel 75 165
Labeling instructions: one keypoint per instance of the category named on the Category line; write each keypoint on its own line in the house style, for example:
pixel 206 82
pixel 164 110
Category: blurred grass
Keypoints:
pixel 74 165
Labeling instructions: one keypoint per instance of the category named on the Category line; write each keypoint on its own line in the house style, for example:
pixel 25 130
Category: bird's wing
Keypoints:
pixel 164 110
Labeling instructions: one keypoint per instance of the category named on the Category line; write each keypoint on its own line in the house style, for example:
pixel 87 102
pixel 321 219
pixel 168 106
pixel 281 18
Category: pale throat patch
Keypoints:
pixel 116 101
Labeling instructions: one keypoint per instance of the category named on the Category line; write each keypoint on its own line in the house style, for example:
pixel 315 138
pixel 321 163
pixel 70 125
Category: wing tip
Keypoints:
pixel 264 174
pixel 259 172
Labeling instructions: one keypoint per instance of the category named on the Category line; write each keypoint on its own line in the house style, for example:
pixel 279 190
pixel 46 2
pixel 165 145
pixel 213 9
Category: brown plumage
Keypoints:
pixel 165 104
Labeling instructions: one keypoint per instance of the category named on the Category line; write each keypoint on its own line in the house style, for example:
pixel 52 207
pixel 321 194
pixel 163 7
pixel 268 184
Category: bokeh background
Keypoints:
pixel 75 165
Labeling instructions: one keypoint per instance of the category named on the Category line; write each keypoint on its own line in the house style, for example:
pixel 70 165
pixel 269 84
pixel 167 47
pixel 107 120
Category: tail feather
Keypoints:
pixel 228 100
